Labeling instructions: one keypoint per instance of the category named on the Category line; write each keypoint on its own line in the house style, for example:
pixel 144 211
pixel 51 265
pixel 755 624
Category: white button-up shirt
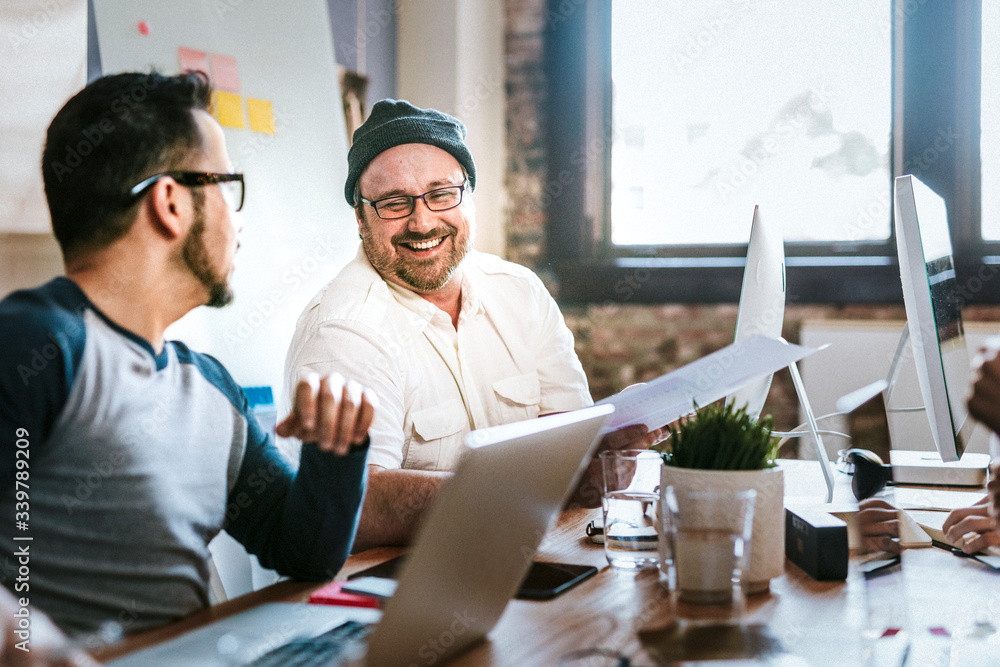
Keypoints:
pixel 510 358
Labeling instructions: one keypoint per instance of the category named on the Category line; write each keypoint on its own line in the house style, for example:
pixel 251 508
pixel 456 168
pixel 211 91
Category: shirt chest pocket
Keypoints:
pixel 437 436
pixel 518 397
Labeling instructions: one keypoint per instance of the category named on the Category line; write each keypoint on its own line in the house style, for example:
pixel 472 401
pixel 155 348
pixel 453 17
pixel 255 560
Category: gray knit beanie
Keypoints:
pixel 395 122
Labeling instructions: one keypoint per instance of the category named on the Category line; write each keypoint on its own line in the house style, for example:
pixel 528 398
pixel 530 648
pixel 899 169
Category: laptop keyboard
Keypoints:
pixel 325 649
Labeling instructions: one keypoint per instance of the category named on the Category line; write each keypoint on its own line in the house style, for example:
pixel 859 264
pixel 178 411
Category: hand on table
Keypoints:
pixel 878 523
pixel 330 411
pixel 972 527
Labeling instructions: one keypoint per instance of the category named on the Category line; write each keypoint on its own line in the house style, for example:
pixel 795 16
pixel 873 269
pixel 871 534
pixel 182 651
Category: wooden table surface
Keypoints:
pixel 945 602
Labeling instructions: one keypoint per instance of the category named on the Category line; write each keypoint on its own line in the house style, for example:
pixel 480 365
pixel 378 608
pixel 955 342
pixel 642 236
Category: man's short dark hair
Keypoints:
pixel 111 135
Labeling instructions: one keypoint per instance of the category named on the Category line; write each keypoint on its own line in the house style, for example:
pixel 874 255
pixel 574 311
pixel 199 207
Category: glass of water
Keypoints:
pixel 629 497
pixel 706 548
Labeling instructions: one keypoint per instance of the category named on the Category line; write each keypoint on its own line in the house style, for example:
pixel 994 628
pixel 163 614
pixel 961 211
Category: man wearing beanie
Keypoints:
pixel 449 338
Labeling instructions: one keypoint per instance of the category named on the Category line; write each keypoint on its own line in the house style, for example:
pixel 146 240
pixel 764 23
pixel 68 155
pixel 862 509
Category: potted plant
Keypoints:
pixel 722 448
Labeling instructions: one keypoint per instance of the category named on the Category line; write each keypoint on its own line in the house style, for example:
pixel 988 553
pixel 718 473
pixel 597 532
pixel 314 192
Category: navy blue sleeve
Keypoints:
pixel 302 523
pixel 41 343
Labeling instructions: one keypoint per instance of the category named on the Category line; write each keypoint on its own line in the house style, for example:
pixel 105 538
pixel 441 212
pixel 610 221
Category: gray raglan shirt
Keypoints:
pixel 118 465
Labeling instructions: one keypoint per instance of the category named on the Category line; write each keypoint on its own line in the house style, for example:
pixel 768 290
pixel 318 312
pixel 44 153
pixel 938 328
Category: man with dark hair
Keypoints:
pixel 122 454
pixel 449 338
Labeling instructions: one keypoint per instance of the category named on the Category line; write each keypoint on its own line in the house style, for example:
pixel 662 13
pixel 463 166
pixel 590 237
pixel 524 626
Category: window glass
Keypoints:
pixel 719 105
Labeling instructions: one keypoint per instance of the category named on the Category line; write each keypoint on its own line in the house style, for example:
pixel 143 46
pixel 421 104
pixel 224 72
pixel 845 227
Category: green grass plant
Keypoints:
pixel 719 437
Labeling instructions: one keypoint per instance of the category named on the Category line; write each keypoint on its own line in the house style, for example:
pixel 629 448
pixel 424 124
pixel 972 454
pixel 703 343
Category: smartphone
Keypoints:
pixel 547 580
pixel 543 582
pixel 878 564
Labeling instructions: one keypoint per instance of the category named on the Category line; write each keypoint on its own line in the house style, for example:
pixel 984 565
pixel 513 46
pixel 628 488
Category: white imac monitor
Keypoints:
pixel 762 311
pixel 933 313
pixel 762 303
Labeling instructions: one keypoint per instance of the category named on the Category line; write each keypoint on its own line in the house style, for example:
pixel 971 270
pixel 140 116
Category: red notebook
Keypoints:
pixel 331 594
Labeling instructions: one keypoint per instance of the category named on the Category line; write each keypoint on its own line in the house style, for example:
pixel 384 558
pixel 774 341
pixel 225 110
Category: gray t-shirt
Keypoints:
pixel 133 461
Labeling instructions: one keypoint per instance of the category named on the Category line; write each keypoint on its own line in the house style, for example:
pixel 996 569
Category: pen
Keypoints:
pixel 948 547
pixel 992 562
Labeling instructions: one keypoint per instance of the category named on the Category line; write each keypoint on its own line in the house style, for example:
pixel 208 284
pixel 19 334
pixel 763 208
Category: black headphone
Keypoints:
pixel 870 474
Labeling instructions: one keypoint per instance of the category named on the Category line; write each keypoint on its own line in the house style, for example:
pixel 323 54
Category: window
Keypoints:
pixel 693 112
pixel 774 103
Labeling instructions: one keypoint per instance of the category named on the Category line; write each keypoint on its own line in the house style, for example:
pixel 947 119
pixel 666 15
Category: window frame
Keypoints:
pixel 936 54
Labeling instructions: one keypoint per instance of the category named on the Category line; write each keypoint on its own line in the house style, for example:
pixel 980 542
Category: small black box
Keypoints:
pixel 816 541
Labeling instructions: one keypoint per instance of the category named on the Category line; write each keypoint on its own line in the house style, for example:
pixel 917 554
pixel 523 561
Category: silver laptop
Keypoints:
pixel 471 554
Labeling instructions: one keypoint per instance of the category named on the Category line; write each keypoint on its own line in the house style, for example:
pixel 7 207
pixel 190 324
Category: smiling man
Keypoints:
pixel 450 339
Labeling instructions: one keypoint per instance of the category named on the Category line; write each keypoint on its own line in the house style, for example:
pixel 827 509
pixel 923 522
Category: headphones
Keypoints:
pixel 870 474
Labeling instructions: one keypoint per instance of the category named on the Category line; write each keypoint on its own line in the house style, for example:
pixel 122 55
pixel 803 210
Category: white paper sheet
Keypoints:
pixel 708 379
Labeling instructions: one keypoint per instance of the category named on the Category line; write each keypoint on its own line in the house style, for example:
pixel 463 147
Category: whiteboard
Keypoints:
pixel 297 229
pixel 44 55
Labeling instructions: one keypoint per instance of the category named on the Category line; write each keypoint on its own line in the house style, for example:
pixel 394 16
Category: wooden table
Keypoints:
pixel 630 614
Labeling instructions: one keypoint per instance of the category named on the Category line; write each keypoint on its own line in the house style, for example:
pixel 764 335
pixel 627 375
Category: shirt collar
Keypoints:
pixel 472 304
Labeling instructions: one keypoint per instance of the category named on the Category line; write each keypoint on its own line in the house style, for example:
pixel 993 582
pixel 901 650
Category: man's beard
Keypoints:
pixel 425 275
pixel 196 259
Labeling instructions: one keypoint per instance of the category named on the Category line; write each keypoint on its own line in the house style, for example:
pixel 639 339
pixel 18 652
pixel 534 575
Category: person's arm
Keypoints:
pixel 302 524
pixel 395 497
pixel 40 348
pixel 395 502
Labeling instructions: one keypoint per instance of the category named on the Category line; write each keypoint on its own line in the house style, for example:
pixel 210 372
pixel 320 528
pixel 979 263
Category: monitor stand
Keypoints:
pixel 819 450
pixel 925 467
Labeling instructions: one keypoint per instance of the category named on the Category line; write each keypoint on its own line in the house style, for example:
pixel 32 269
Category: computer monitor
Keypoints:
pixel 762 303
pixel 762 311
pixel 933 313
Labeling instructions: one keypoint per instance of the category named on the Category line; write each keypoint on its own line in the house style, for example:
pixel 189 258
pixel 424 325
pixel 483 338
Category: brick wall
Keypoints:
pixel 621 344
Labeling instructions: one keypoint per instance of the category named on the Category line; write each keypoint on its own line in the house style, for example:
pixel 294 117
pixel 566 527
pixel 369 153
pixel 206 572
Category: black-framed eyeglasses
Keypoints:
pixel 231 185
pixel 401 206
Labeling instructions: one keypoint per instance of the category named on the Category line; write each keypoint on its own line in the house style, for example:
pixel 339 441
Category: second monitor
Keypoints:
pixel 936 337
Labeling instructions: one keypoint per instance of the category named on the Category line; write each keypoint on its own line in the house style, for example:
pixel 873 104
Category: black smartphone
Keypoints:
pixel 544 580
pixel 880 564
pixel 547 580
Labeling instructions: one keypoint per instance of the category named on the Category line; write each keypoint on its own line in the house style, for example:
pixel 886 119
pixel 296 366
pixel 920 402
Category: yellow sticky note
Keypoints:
pixel 228 109
pixel 261 115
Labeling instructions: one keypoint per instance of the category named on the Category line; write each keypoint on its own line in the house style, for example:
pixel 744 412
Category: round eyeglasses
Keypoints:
pixel 401 206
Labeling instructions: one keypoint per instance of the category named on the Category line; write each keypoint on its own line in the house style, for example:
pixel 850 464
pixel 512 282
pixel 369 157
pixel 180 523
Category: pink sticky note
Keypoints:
pixel 331 594
pixel 225 73
pixel 192 59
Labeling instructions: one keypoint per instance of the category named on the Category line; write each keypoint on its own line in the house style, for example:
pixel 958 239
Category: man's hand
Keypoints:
pixel 972 527
pixel 637 436
pixel 332 412
pixel 878 523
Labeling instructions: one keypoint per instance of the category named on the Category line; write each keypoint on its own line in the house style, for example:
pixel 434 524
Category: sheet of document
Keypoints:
pixel 701 382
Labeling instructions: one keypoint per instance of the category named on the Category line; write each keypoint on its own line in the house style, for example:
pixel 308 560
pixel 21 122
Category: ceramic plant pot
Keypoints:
pixel 767 546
